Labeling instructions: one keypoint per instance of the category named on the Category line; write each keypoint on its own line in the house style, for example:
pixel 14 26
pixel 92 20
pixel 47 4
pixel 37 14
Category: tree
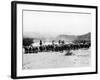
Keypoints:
pixel 27 41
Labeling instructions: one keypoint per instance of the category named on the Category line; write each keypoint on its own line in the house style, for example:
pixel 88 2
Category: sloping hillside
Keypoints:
pixel 67 37
pixel 84 37
pixel 47 37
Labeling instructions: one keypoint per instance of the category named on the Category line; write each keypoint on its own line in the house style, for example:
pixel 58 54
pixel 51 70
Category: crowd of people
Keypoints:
pixel 60 46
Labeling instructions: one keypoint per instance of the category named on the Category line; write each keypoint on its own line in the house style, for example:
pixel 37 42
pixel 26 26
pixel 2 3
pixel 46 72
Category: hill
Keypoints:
pixel 48 37
pixel 84 37
pixel 66 37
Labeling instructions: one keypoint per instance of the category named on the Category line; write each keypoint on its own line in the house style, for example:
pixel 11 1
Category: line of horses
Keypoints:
pixel 56 47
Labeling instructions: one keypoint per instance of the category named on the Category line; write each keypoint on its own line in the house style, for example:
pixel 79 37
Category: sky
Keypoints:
pixel 56 23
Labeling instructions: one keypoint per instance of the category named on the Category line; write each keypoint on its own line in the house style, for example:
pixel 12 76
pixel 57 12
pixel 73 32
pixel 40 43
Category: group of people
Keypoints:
pixel 53 47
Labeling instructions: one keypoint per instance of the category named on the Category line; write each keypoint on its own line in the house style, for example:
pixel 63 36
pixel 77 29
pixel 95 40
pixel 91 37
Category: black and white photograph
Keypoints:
pixel 55 39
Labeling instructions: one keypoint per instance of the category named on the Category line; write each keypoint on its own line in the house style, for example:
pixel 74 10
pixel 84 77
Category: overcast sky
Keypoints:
pixel 56 23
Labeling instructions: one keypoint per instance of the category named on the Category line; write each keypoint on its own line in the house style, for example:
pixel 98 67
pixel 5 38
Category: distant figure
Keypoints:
pixel 59 42
pixel 63 42
pixel 40 42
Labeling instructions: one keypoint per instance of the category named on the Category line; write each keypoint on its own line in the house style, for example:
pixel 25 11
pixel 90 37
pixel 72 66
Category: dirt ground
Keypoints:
pixel 79 58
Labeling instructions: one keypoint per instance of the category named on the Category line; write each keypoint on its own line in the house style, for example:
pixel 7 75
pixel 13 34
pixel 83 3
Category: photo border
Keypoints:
pixel 14 38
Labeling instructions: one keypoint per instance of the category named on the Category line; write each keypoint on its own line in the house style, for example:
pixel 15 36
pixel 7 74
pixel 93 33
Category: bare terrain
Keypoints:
pixel 41 60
